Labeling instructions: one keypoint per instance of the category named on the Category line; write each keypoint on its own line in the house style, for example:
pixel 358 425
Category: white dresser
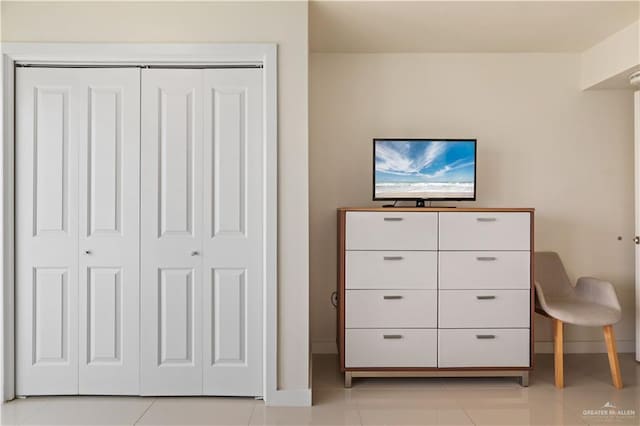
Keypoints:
pixel 435 292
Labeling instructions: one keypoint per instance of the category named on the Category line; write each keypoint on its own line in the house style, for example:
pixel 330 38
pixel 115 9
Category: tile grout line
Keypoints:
pixel 253 410
pixel 464 410
pixel 145 411
pixel 359 413
pixel 358 409
pixel 460 405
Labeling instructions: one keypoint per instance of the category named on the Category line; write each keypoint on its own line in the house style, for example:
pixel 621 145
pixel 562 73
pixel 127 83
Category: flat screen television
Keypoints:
pixel 424 169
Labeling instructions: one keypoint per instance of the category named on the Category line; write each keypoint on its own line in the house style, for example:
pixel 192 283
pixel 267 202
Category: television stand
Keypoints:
pixel 419 204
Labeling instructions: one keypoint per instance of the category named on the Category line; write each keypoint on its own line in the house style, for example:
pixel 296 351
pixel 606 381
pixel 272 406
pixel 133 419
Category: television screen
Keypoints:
pixel 424 169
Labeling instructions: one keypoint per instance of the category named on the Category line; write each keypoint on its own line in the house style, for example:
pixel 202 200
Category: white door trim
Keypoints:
pixel 636 121
pixel 176 54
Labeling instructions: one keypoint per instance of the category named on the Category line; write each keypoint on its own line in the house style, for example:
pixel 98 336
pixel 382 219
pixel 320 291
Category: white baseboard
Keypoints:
pixel 289 398
pixel 586 347
pixel 543 347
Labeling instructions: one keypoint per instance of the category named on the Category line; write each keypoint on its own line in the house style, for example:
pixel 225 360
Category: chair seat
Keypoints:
pixel 579 312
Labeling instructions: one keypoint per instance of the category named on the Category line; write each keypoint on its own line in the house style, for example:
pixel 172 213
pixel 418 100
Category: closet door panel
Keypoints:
pixel 171 232
pixel 109 234
pixel 49 110
pixel 233 238
pixel 51 316
pixel 176 305
pixel 77 239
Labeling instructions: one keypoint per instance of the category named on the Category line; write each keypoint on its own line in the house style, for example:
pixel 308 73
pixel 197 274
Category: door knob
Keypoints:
pixel 87 252
pixel 636 240
pixel 194 253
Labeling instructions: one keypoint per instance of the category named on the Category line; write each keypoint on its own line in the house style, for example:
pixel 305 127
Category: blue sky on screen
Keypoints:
pixel 424 161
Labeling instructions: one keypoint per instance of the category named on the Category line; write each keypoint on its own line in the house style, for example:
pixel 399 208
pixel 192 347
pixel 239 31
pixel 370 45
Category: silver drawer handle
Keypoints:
pixel 486 258
pixel 485 336
pixel 485 297
pixel 486 219
pixel 391 297
pixel 393 219
pixel 393 258
pixel 392 336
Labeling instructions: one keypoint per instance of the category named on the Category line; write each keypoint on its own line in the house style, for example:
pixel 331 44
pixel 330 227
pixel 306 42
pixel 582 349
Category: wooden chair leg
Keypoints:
pixel 558 352
pixel 612 351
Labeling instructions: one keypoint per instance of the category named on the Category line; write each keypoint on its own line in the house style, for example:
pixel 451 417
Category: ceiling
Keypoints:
pixel 465 26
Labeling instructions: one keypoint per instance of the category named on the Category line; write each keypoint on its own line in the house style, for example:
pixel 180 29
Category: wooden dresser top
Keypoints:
pixel 436 209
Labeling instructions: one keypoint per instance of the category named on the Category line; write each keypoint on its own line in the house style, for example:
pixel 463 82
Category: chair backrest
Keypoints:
pixel 550 274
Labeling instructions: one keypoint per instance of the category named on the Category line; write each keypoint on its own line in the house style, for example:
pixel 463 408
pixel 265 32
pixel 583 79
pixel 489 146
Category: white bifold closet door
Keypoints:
pixel 77 231
pixel 201 232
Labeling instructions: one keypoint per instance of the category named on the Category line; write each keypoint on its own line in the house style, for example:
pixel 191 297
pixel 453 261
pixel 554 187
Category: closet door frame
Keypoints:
pixel 143 54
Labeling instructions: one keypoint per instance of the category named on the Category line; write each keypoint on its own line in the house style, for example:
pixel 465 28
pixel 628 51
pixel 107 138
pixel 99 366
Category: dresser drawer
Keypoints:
pixel 484 270
pixel 484 231
pixel 392 309
pixel 391 231
pixel 391 269
pixel 490 308
pixel 391 348
pixel 483 348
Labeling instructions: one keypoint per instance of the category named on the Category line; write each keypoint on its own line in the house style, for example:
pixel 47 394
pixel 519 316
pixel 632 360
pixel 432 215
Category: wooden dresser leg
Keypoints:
pixel 524 379
pixel 612 351
pixel 558 352
pixel 347 379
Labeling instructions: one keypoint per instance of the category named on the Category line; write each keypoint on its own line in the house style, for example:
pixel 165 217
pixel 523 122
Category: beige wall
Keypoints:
pixel 276 22
pixel 542 143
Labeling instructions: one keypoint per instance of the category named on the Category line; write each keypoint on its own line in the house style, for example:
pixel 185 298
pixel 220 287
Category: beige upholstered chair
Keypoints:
pixel 591 302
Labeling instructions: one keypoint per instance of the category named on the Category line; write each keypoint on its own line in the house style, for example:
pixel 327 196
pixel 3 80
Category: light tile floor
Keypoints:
pixel 373 401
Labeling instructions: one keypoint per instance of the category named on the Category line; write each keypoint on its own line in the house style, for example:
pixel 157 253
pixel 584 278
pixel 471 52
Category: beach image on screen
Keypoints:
pixel 424 169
